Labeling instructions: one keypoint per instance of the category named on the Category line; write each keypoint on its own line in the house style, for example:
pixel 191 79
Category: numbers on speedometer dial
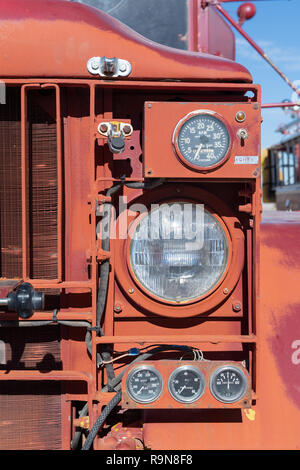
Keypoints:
pixel 202 140
pixel 144 384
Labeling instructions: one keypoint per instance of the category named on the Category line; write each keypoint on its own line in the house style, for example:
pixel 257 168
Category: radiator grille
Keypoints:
pixel 30 416
pixel 30 411
pixel 10 187
pixel 41 190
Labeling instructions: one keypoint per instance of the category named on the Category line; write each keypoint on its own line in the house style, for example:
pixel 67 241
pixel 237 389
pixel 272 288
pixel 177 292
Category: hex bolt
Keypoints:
pixel 122 68
pixel 236 307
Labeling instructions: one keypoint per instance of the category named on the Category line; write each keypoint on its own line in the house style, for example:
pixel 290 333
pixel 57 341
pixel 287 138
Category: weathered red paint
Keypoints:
pixel 57 39
pixel 52 32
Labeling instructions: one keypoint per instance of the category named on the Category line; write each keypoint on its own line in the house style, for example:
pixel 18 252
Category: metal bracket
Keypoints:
pixel 109 67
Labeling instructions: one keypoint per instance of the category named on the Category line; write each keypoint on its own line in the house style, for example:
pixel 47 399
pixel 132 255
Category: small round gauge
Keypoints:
pixel 186 384
pixel 144 384
pixel 202 140
pixel 228 384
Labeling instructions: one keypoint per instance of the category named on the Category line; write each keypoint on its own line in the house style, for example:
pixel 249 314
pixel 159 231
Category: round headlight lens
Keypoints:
pixel 179 251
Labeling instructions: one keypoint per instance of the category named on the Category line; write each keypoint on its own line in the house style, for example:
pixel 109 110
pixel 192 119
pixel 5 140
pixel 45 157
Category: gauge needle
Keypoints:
pixel 182 388
pixel 198 151
pixel 139 391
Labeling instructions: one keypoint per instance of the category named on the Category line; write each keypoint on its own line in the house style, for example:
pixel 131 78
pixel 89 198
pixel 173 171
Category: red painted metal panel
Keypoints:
pixel 51 35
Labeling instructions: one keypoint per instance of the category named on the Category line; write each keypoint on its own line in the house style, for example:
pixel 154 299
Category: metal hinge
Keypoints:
pixel 109 67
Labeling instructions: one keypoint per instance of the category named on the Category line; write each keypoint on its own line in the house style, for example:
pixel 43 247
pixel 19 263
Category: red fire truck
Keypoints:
pixel 143 304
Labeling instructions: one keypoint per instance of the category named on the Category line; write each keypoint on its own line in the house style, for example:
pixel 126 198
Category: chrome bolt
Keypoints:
pixel 95 64
pixel 225 291
pixel 126 129
pixel 131 290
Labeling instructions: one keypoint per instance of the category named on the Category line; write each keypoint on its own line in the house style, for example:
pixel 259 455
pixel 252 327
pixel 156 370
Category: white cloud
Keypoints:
pixel 286 57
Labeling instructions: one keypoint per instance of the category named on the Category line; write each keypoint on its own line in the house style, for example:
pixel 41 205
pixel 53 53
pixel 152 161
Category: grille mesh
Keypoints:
pixel 10 186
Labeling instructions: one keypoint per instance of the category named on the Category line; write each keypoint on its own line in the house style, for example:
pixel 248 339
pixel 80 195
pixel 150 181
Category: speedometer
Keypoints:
pixel 202 140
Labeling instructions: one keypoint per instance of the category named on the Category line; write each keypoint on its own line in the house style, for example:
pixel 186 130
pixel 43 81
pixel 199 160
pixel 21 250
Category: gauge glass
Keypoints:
pixel 186 384
pixel 173 263
pixel 203 140
pixel 144 384
pixel 228 384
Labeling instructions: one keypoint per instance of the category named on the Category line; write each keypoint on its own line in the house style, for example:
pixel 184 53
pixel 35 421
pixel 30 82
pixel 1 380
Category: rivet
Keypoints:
pixel 149 105
pixel 131 290
pixel 225 291
pixel 117 308
pixel 236 307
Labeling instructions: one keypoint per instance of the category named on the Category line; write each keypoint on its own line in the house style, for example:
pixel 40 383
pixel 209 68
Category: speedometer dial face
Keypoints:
pixel 186 384
pixel 202 140
pixel 228 384
pixel 144 384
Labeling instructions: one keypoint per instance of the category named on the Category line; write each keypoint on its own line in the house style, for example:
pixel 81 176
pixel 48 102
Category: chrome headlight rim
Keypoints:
pixel 128 290
pixel 196 299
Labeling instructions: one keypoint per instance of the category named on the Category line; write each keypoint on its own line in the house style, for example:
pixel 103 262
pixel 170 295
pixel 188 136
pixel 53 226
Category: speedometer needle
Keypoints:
pixel 198 151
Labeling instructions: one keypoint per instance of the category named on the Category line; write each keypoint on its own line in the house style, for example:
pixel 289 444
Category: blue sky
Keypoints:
pixel 275 27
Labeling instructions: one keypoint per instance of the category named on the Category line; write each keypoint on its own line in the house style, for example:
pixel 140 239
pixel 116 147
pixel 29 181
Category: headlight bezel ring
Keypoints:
pixel 138 294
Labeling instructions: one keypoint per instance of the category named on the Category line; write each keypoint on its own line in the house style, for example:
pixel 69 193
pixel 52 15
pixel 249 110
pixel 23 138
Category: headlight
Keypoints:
pixel 179 251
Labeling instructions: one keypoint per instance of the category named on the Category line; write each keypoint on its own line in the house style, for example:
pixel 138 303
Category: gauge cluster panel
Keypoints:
pixel 194 140
pixel 181 384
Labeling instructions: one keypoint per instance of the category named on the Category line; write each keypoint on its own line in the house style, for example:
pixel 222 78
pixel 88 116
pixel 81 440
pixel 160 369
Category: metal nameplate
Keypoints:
pixel 246 160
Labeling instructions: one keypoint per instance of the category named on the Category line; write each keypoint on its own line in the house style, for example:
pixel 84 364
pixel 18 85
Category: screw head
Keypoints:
pixel 103 127
pixel 126 129
pixel 117 308
pixel 131 290
pixel 236 307
pixel 95 64
pixel 225 291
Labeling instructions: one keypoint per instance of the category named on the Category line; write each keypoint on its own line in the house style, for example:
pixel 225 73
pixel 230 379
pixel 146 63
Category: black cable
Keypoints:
pixel 100 421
